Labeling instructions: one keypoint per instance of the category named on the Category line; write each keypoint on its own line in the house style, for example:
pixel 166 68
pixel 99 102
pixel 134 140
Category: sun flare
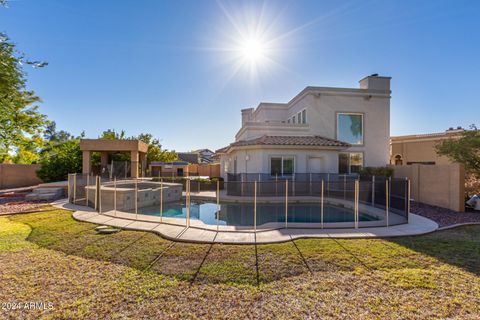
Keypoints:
pixel 252 50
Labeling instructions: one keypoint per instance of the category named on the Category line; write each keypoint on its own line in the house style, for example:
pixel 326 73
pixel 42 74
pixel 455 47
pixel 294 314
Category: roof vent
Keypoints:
pixel 449 129
pixel 374 75
pixel 459 128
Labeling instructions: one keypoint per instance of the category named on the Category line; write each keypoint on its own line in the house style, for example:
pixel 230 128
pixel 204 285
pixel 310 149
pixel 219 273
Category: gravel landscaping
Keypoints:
pixel 48 256
pixel 442 216
pixel 13 201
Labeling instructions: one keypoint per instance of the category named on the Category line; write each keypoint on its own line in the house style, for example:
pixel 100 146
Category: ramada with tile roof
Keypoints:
pixel 321 130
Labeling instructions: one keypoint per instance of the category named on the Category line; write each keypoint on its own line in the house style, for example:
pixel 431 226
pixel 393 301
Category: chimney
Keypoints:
pixel 247 115
pixel 375 82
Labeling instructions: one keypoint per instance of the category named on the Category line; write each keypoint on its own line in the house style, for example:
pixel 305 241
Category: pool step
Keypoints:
pixel 46 194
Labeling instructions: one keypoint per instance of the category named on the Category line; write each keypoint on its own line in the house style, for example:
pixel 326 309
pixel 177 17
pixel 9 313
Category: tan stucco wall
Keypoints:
pixel 113 145
pixel 211 170
pixel 18 175
pixel 417 151
pixel 439 185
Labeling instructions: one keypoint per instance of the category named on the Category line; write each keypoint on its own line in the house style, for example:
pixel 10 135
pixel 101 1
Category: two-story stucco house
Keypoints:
pixel 321 130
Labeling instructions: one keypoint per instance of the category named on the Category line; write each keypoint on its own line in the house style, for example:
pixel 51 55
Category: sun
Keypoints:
pixel 253 42
pixel 252 50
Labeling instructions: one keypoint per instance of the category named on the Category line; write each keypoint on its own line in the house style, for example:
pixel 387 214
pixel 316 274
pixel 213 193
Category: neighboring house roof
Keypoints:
pixel 205 155
pixel 208 151
pixel 427 136
pixel 191 157
pixel 266 140
pixel 174 163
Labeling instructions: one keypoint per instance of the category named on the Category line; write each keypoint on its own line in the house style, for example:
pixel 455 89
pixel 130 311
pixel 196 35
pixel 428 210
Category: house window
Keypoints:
pixel 282 166
pixel 304 116
pixel 350 128
pixel 350 162
pixel 288 121
pixel 299 116
pixel 293 119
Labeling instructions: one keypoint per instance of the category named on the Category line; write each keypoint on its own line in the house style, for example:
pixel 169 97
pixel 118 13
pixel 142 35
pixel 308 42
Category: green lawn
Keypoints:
pixel 48 256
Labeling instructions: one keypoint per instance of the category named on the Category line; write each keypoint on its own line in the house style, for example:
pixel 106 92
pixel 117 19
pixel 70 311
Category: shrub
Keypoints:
pixel 60 161
pixel 376 171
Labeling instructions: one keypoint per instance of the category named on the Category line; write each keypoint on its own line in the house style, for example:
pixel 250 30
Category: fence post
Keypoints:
pixel 408 199
pixel 75 189
pixel 100 194
pixel 259 183
pixel 328 185
pixel 115 195
pixel 389 192
pixel 357 191
pixel 86 190
pixel 286 203
pixel 241 184
pixel 188 204
pixel 373 191
pixel 136 198
pixel 218 203
pixel 321 207
pixel 310 187
pixel 69 189
pixel 386 201
pixel 96 194
pixel 293 184
pixel 276 184
pixel 161 200
pixel 255 206
pixel 111 171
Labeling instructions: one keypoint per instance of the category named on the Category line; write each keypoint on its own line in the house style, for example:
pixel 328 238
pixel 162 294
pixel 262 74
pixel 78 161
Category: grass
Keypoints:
pixel 48 256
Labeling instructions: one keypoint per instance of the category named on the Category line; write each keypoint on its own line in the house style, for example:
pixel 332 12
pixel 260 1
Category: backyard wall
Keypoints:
pixel 438 185
pixel 18 175
pixel 211 170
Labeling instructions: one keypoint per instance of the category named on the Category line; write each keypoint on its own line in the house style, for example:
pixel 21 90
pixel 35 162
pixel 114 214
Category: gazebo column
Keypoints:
pixel 103 159
pixel 86 162
pixel 143 161
pixel 134 158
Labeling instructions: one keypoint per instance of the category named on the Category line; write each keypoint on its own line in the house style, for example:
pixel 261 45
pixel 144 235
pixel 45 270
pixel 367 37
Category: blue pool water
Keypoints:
pixel 241 214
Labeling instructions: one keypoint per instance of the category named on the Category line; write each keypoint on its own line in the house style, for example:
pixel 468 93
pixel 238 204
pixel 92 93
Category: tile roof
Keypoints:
pixel 314 141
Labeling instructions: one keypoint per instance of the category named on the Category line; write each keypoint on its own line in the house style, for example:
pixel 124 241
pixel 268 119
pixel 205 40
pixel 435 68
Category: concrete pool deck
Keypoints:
pixel 418 225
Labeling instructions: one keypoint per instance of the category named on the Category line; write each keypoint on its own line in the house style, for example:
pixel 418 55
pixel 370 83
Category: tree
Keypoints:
pixel 465 150
pixel 155 152
pixel 20 120
pixel 111 134
pixel 52 135
pixel 61 160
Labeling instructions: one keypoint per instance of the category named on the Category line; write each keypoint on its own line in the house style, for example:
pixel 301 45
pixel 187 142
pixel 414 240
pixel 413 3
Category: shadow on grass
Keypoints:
pixel 458 247
pixel 251 264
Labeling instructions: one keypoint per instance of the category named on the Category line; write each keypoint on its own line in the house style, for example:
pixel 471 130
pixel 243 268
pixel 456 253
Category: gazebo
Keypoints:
pixel 136 148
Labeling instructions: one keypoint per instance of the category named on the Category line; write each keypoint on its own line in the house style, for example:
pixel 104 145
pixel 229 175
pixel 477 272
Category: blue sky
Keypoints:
pixel 173 69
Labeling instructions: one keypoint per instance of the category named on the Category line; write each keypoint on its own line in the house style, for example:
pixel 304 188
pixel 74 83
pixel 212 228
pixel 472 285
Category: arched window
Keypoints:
pixel 398 160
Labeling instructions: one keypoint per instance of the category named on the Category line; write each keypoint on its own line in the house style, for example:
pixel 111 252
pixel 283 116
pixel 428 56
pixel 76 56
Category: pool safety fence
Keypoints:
pixel 325 201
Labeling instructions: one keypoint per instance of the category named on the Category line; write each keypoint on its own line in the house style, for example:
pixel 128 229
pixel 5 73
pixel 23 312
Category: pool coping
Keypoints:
pixel 417 225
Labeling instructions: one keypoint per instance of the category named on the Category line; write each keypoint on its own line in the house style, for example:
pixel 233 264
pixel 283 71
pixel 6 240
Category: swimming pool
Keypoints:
pixel 241 214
